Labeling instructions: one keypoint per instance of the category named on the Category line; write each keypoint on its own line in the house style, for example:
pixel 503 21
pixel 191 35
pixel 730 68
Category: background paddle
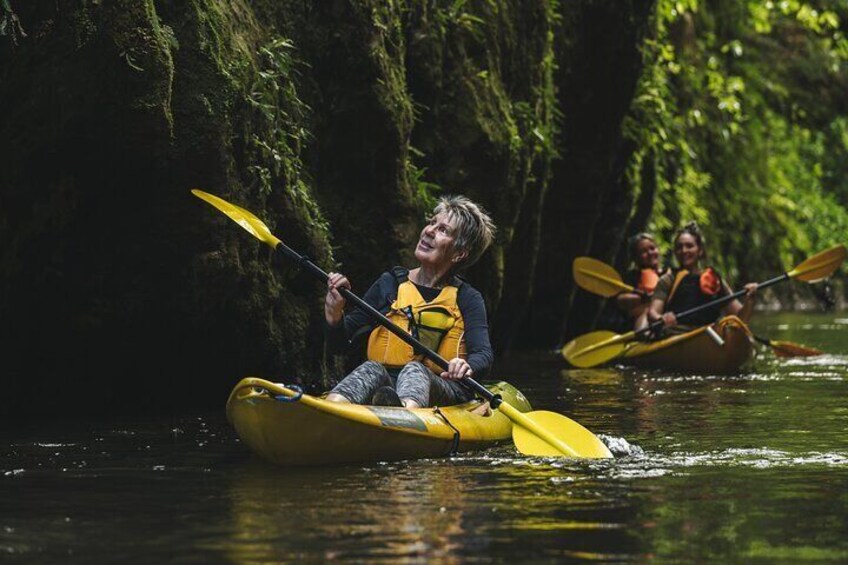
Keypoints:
pixel 539 432
pixel 595 348
pixel 602 279
pixel 784 348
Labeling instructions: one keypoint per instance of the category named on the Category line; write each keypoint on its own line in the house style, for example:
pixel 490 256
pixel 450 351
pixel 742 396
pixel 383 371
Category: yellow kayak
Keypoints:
pixel 288 428
pixel 724 351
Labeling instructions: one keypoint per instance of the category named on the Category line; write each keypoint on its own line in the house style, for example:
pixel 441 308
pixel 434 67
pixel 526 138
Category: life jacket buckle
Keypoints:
pixel 410 316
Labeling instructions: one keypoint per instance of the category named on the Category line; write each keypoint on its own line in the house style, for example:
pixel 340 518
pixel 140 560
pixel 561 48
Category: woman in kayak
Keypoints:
pixel 438 308
pixel 692 285
pixel 633 306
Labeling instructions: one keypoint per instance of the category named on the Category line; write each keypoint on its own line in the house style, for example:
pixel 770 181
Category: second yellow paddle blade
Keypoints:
pixel 597 277
pixel 584 442
pixel 820 266
pixel 593 349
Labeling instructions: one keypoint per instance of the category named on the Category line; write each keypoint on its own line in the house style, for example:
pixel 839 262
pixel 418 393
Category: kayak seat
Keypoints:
pixel 483 409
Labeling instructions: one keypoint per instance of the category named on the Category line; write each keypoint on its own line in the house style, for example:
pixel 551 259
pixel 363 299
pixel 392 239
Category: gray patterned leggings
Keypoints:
pixel 414 382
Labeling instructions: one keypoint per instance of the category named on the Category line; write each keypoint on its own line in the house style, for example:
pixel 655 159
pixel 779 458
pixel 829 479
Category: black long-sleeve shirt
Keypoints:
pixel 384 291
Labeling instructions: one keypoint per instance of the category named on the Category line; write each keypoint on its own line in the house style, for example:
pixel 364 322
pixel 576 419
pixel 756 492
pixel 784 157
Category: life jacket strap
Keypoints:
pixel 678 278
pixel 456 436
pixel 410 317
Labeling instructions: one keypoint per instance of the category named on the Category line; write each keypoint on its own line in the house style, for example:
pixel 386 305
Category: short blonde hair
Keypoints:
pixel 475 230
pixel 635 240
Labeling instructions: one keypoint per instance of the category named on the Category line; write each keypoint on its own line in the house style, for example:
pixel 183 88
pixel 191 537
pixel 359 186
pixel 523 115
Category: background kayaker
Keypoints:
pixel 442 311
pixel 644 276
pixel 692 285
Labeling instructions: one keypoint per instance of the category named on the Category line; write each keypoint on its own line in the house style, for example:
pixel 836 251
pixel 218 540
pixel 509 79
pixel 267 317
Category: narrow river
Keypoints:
pixel 748 468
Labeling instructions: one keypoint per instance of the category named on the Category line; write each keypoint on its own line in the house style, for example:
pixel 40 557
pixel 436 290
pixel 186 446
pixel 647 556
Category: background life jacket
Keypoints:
pixel 438 324
pixel 648 279
pixel 641 279
pixel 690 290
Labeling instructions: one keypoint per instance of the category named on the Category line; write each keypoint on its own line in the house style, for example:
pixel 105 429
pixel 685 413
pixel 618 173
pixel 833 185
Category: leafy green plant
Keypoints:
pixel 283 126
pixel 725 115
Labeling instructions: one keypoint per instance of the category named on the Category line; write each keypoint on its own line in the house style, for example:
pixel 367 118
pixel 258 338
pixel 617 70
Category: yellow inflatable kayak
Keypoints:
pixel 722 348
pixel 289 428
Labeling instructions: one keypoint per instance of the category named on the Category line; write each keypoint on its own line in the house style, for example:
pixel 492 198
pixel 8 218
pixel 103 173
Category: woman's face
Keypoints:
pixel 687 251
pixel 647 254
pixel 436 244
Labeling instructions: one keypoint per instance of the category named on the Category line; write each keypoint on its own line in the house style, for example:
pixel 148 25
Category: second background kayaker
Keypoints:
pixel 692 285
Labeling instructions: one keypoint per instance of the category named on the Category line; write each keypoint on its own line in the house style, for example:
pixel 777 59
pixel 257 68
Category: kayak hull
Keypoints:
pixel 697 351
pixel 292 429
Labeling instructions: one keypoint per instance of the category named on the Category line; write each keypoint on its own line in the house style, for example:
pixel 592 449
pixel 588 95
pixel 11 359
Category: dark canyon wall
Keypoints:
pixel 338 123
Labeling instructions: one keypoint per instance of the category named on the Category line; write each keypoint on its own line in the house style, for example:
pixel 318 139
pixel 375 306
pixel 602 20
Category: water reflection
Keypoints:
pixel 444 509
pixel 385 510
pixel 593 377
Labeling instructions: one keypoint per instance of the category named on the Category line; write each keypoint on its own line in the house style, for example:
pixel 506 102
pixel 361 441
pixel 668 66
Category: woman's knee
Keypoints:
pixel 372 367
pixel 359 385
pixel 413 384
pixel 416 368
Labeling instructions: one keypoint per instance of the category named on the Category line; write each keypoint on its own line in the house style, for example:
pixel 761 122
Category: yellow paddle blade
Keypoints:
pixel 598 277
pixel 595 348
pixel 253 225
pixel 548 434
pixel 820 265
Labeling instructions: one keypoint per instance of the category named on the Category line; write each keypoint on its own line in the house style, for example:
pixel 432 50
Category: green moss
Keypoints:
pixel 388 50
pixel 426 193
pixel 281 129
pixel 145 47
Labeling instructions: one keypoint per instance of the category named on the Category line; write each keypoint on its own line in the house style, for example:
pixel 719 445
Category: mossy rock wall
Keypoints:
pixel 118 287
pixel 339 123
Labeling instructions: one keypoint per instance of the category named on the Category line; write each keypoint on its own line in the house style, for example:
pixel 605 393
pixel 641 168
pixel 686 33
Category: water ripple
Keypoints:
pixel 655 464
pixel 817 361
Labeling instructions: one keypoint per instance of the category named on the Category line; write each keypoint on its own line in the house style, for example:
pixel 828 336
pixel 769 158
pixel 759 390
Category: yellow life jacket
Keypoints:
pixel 437 324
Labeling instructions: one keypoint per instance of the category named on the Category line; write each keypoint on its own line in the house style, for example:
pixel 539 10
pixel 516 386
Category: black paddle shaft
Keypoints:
pixel 306 263
pixel 656 325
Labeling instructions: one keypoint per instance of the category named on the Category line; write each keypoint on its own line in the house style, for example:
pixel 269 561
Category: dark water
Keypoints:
pixel 750 468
